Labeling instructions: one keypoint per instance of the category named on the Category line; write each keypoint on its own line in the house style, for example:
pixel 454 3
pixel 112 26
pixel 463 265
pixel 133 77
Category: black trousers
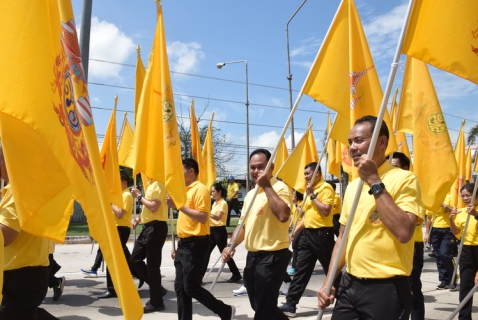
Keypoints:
pixel 418 309
pixel 443 242
pixel 336 219
pixel 295 247
pixel 218 238
pixel 232 204
pixel 373 299
pixel 124 233
pixel 263 276
pixel 23 292
pixel 149 245
pixel 468 269
pixel 53 268
pixel 314 244
pixel 191 257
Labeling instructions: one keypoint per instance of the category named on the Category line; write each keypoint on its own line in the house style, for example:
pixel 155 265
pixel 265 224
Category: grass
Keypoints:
pixel 81 229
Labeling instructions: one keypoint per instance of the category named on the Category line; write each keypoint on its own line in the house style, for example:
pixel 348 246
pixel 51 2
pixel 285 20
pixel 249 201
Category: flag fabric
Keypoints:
pixel 313 147
pixel 341 129
pixel 209 164
pixel 347 162
pixel 292 171
pixel 332 165
pixel 156 150
pixel 432 148
pixel 47 130
pixel 126 142
pixel 444 33
pixel 469 165
pixel 400 136
pixel 460 157
pixel 343 76
pixel 196 153
pixel 139 80
pixel 281 156
pixel 109 162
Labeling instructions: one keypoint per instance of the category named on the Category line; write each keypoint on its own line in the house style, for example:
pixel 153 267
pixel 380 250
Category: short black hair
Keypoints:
pixel 220 188
pixel 263 151
pixel 312 167
pixel 189 163
pixel 404 161
pixel 373 120
pixel 124 177
pixel 299 195
pixel 468 187
pixel 332 184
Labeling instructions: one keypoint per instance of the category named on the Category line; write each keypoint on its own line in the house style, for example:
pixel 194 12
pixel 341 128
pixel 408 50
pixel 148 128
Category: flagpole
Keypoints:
pixel 171 218
pixel 371 149
pixel 394 117
pixel 460 249
pixel 135 204
pixel 120 138
pixel 462 304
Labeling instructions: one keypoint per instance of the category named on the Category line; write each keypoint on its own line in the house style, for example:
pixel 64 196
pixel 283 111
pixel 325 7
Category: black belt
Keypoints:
pixel 323 229
pixel 262 253
pixel 193 238
pixel 152 223
pixel 377 280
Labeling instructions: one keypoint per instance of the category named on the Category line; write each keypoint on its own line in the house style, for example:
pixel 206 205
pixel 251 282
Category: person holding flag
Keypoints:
pixel 385 220
pixel 190 258
pixel 232 198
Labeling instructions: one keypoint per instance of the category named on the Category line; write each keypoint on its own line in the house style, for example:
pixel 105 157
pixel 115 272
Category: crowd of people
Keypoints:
pixel 383 250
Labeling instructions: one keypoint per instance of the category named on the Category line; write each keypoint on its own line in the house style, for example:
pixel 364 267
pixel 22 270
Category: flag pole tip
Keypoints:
pixel 116 98
pixel 396 90
pixel 138 49
pixel 463 122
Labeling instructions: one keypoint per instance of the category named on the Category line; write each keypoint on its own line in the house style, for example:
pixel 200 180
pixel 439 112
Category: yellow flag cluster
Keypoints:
pixel 127 138
pixel 45 112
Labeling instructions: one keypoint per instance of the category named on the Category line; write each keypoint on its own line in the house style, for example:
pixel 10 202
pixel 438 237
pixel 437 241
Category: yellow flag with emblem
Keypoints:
pixel 444 33
pixel 343 76
pixel 209 164
pixel 47 128
pixel 432 149
pixel 157 147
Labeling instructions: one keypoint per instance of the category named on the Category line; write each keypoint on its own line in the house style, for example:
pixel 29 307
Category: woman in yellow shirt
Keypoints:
pixel 218 231
pixel 469 255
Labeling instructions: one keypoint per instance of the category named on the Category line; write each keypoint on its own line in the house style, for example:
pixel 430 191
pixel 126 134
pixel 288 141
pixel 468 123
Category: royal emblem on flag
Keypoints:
pixel 436 123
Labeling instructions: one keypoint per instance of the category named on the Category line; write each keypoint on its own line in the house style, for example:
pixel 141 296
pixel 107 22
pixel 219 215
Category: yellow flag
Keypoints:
pixel 292 171
pixel 444 33
pixel 468 165
pixel 209 165
pixel 126 142
pixel 109 161
pixel 47 128
pixel 281 156
pixel 139 80
pixel 157 147
pixel 461 162
pixel 313 147
pixel 403 146
pixel 343 76
pixel 196 143
pixel 432 149
pixel 332 165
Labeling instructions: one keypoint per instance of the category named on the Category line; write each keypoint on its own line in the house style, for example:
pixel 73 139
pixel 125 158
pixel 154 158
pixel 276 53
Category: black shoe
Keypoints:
pixel 107 294
pixel 234 278
pixel 163 292
pixel 140 284
pixel 58 289
pixel 150 308
pixel 432 255
pixel 442 286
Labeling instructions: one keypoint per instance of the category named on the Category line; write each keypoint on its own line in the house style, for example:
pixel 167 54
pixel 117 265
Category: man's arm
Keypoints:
pixel 118 211
pixel 194 214
pixel 227 253
pixel 9 235
pixel 324 209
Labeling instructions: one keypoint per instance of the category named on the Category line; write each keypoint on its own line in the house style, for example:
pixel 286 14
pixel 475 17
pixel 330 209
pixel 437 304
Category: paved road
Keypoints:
pixel 79 300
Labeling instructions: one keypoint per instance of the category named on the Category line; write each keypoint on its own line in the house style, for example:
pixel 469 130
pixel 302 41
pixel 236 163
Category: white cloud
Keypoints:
pixel 270 139
pixel 184 57
pixel 308 46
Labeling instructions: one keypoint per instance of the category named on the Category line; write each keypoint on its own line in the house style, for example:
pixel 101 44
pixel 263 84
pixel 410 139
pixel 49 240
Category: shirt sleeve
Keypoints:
pixel 127 201
pixel 155 191
pixel 327 196
pixel 202 200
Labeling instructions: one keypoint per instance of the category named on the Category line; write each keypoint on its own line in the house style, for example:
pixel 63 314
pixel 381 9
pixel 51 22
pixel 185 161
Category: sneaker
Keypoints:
pixel 285 290
pixel 442 286
pixel 90 272
pixel 242 291
pixel 432 255
pixel 151 308
pixel 235 278
pixel 58 289
pixel 291 271
pixel 454 287
pixel 233 313
pixel 288 310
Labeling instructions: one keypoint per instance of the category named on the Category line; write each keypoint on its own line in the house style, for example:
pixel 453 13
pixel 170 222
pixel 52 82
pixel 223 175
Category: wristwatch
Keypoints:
pixel 312 197
pixel 139 198
pixel 376 188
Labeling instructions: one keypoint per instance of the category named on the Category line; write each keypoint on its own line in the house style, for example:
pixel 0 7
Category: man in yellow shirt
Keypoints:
pixel 400 160
pixel 266 238
pixel 25 268
pixel 232 199
pixel 379 247
pixel 193 248
pixel 150 242
pixel 317 240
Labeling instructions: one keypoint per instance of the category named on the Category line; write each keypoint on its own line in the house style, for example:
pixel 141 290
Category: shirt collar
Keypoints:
pixel 195 182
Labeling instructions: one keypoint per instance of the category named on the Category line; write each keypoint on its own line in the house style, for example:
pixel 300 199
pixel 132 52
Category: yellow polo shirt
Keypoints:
pixel 442 219
pixel 263 231
pixel 155 191
pixel 372 250
pixel 231 188
pixel 128 207
pixel 294 212
pixel 337 205
pixel 314 218
pixel 471 238
pixel 198 198
pixel 26 250
pixel 219 206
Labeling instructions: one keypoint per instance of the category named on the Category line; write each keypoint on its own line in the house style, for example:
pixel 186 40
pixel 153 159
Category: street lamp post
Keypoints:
pixel 219 66
pixel 290 75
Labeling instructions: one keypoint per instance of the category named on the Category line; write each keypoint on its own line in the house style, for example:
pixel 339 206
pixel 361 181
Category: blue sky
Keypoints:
pixel 202 33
